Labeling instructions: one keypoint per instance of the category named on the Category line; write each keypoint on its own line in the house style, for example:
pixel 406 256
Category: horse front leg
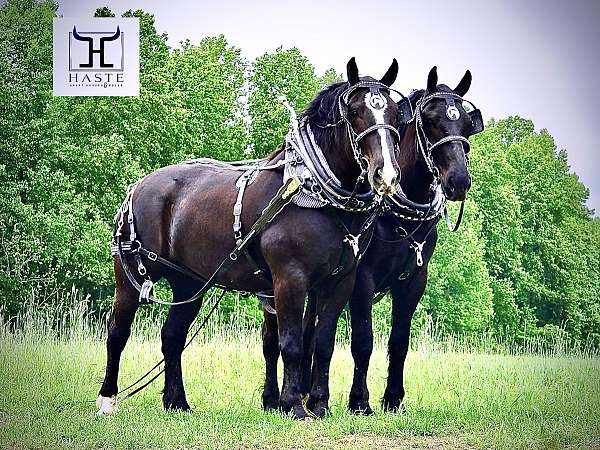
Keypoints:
pixel 405 297
pixel 270 347
pixel 361 305
pixel 331 302
pixel 119 329
pixel 290 288
pixel 173 335
pixel 308 342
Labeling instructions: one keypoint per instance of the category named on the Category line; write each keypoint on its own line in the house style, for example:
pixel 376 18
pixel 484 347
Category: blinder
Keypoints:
pixel 405 113
pixel 476 121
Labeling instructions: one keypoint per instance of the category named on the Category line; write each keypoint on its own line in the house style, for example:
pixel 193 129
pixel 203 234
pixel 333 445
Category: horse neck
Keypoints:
pixel 338 154
pixel 416 178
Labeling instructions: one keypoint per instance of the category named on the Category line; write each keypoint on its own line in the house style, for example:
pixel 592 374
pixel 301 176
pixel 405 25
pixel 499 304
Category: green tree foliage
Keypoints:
pixel 459 296
pixel 288 73
pixel 526 261
pixel 67 161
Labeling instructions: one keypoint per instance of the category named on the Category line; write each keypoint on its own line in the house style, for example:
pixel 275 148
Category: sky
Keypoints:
pixel 536 58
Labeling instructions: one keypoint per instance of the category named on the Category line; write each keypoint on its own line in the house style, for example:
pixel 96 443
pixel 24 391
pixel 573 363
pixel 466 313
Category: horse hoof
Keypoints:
pixel 178 405
pixel 270 403
pixel 361 409
pixel 107 406
pixel 318 409
pixel 299 413
pixel 394 406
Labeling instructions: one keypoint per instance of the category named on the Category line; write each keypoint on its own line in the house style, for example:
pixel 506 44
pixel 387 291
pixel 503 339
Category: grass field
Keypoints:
pixel 455 398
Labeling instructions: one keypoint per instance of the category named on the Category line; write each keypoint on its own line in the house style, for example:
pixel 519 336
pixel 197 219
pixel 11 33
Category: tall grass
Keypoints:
pixel 70 316
pixel 462 391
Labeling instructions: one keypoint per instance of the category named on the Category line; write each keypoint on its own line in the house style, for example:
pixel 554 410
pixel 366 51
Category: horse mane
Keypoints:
pixel 415 95
pixel 321 111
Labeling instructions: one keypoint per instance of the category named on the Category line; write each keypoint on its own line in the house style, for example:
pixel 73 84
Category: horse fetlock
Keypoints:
pixel 107 406
pixel 270 400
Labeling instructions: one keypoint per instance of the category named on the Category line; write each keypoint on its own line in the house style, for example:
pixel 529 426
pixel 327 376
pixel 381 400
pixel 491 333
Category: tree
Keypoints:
pixel 458 294
pixel 284 72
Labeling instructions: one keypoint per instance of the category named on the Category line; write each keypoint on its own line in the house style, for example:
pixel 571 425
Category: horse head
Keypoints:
pixel 443 127
pixel 356 127
pixel 371 114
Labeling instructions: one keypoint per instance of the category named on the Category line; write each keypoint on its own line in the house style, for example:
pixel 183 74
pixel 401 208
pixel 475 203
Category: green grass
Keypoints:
pixel 455 399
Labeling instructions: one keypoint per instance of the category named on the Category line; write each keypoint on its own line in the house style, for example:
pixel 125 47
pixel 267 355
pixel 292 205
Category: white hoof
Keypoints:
pixel 107 406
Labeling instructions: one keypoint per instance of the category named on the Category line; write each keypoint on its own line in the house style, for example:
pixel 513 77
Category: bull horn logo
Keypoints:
pixel 92 50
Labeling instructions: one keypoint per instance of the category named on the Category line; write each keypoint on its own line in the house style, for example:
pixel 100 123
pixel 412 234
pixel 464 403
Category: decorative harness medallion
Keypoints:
pixel 377 101
pixel 452 112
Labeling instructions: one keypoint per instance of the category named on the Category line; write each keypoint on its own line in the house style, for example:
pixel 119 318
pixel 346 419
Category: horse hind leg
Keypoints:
pixel 119 329
pixel 173 335
pixel 271 352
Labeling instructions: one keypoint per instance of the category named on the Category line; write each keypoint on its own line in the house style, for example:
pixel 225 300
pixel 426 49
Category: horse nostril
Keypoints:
pixel 451 186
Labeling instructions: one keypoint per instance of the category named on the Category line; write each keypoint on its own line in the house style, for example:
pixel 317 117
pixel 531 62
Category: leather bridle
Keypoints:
pixel 375 87
pixel 424 145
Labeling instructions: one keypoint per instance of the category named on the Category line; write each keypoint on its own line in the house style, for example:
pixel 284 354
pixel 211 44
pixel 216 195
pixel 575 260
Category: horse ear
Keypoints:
pixel 352 71
pixel 464 84
pixel 432 79
pixel 391 74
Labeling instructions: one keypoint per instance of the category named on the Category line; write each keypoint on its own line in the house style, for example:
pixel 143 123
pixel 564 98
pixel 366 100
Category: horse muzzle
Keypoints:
pixel 384 183
pixel 456 187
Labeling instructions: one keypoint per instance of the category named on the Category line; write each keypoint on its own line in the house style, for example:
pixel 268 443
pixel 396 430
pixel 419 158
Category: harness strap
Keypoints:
pixel 458 220
pixel 237 208
pixel 281 199
pixel 181 269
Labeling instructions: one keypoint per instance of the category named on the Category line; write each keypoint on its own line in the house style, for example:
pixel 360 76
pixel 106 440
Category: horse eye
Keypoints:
pixel 352 113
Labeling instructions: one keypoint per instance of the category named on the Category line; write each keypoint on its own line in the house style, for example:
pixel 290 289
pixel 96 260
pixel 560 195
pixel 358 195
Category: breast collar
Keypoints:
pixel 402 207
pixel 320 186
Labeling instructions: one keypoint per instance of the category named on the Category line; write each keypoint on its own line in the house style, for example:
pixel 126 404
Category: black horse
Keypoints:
pixel 400 251
pixel 184 213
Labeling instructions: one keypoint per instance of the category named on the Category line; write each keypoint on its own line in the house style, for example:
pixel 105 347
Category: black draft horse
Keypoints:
pixel 184 213
pixel 390 261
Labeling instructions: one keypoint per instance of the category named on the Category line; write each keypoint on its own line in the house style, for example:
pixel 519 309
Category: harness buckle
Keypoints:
pixel 353 241
pixel 418 248
pixel 152 256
